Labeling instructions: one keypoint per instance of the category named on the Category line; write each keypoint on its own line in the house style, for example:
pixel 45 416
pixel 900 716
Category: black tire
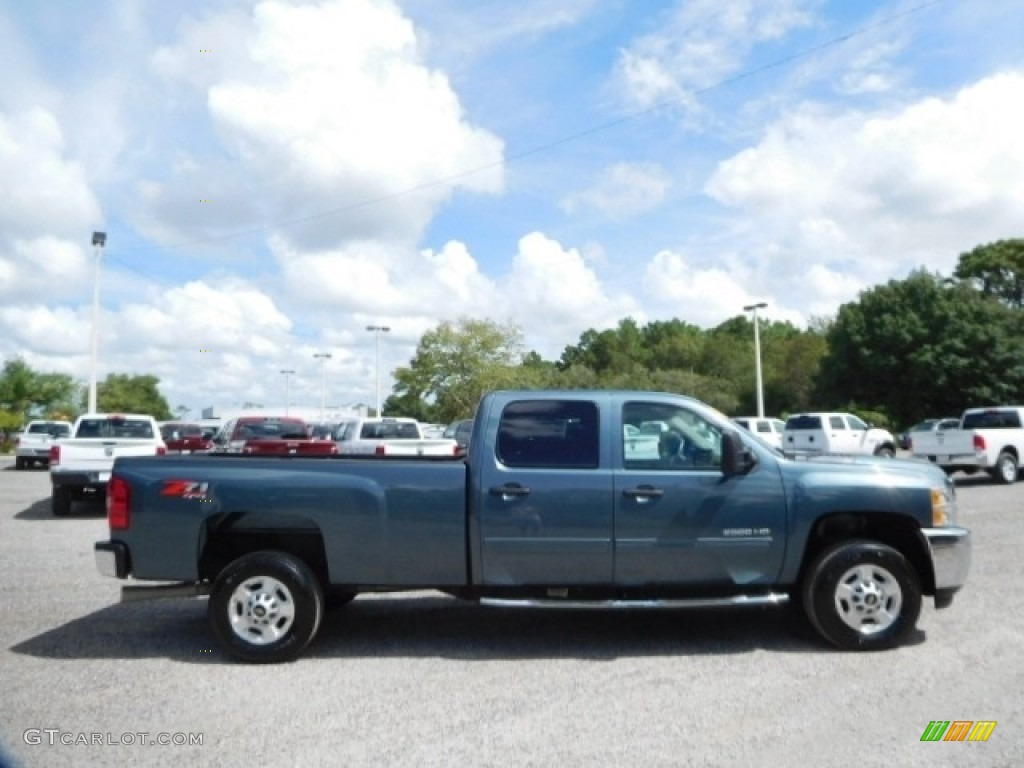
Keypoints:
pixel 1005 469
pixel 20 462
pixel 862 595
pixel 265 607
pixel 61 500
pixel 885 451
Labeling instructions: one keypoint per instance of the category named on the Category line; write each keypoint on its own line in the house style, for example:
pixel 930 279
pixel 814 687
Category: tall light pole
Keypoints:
pixel 99 239
pixel 287 391
pixel 757 356
pixel 377 331
pixel 323 357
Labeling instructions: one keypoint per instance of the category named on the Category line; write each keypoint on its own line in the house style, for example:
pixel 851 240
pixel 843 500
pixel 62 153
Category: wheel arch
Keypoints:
pixel 229 536
pixel 897 531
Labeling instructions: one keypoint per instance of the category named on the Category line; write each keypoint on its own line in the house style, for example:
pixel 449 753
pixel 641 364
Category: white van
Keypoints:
pixel 835 433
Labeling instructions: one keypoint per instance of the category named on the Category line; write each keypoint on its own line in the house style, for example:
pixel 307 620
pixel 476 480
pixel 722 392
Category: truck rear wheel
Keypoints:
pixel 1005 469
pixel 61 501
pixel 20 462
pixel 266 607
pixel 862 595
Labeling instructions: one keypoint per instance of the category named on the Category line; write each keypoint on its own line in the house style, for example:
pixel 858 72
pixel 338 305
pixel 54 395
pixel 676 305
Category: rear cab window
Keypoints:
pixel 992 419
pixel 549 434
pixel 803 422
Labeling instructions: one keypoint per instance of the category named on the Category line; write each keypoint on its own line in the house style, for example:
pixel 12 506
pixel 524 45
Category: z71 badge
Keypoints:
pixel 185 489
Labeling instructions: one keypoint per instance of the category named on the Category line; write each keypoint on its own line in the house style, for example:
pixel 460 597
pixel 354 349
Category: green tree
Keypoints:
pixel 923 347
pixel 996 269
pixel 455 364
pixel 132 394
pixel 28 394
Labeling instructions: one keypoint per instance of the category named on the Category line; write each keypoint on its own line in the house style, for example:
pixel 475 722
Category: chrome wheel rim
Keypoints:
pixel 261 610
pixel 1009 470
pixel 868 599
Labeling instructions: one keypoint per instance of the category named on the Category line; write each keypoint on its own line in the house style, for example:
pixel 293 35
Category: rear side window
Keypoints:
pixel 549 433
pixel 992 420
pixel 803 422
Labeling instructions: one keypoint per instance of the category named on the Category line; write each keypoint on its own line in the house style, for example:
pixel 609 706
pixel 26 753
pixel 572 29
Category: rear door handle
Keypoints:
pixel 509 491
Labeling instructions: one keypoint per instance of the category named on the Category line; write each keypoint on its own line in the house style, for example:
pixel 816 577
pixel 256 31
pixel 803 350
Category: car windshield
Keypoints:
pixel 389 430
pixel 116 427
pixel 53 430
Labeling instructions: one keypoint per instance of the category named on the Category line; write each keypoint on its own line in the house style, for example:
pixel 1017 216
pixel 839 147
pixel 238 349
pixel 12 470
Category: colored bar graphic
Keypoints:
pixel 958 730
pixel 935 730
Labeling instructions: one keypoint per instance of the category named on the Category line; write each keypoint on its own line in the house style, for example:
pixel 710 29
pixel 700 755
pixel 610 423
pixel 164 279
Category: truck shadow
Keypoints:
pixel 43 510
pixel 440 627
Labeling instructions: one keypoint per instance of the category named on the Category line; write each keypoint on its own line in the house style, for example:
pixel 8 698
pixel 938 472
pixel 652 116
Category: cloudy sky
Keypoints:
pixel 275 176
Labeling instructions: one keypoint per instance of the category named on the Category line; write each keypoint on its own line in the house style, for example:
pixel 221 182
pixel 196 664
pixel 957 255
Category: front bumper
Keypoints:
pixel 950 549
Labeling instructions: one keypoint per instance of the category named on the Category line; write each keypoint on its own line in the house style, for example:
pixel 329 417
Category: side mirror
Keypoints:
pixel 736 457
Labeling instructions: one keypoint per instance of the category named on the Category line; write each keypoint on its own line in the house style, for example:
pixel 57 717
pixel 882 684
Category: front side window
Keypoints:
pixel 659 436
pixel 549 434
pixel 856 423
pixel 836 422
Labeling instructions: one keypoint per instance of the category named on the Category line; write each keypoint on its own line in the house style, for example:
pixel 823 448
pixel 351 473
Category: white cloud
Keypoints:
pixel 700 43
pixel 623 190
pixel 886 192
pixel 552 293
pixel 328 107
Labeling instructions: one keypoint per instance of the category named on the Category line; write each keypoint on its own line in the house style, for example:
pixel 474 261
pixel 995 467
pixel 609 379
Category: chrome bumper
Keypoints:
pixel 951 555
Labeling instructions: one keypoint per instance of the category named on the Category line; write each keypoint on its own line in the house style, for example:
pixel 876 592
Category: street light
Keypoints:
pixel 287 398
pixel 377 331
pixel 323 357
pixel 99 239
pixel 757 356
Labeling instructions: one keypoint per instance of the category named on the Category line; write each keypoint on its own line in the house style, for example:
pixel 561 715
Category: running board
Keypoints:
pixel 774 598
pixel 135 593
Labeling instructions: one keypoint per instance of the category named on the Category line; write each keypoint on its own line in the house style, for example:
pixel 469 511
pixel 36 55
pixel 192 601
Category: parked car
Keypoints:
pixel 989 438
pixel 459 431
pixel 928 425
pixel 32 445
pixel 390 436
pixel 184 437
pixel 270 436
pixel 768 429
pixel 841 433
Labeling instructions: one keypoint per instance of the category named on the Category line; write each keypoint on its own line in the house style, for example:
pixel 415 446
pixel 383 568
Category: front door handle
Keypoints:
pixel 644 493
pixel 509 491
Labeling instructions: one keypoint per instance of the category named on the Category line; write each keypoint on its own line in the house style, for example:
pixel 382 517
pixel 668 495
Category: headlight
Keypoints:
pixel 943 506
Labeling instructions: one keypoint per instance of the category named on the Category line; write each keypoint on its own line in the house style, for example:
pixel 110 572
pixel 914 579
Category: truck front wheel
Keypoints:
pixel 862 595
pixel 266 607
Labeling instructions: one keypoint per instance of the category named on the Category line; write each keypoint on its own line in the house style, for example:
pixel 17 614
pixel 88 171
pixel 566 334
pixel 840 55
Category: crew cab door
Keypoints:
pixel 545 496
pixel 678 520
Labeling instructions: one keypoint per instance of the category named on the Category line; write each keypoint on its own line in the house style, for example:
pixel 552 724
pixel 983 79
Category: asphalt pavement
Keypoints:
pixel 426 680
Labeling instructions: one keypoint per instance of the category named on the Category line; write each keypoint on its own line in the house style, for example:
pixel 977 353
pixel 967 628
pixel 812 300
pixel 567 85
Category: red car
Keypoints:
pixel 271 436
pixel 184 437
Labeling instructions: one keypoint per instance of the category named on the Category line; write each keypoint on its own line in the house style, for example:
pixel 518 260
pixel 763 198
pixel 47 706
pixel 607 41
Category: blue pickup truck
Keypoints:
pixel 570 499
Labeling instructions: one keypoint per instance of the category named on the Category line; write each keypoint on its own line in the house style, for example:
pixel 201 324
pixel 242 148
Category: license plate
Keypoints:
pixel 942 459
pixel 103 477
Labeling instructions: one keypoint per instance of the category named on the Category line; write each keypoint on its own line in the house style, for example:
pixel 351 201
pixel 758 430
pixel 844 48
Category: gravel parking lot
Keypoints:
pixel 422 680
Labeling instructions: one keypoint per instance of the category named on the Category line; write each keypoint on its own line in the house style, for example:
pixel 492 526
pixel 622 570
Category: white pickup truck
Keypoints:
pixel 991 439
pixel 35 440
pixel 390 436
pixel 81 464
pixel 840 433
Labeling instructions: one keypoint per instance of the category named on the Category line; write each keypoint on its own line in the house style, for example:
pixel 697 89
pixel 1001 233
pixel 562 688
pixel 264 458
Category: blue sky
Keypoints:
pixel 275 176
